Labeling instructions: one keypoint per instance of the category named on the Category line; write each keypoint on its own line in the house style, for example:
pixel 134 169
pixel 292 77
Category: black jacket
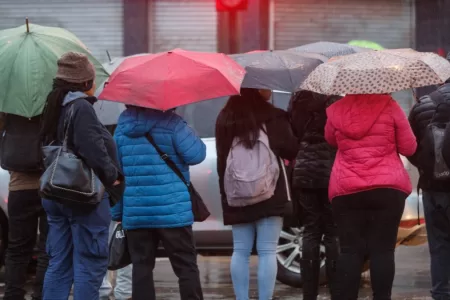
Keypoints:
pixel 419 118
pixel 283 144
pixel 91 140
pixel 315 156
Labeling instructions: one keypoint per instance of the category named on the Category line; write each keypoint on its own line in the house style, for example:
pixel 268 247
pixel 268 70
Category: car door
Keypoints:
pixel 202 116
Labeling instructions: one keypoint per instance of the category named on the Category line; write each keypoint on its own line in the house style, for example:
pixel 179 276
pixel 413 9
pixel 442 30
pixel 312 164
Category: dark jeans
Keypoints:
pixel 319 226
pixel 78 248
pixel 437 217
pixel 367 227
pixel 180 247
pixel 25 216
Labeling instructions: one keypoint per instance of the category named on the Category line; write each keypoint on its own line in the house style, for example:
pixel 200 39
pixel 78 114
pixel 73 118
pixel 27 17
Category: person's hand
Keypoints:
pixel 117 182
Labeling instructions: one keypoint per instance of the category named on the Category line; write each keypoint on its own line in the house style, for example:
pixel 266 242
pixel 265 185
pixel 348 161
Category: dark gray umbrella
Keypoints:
pixel 329 49
pixel 277 70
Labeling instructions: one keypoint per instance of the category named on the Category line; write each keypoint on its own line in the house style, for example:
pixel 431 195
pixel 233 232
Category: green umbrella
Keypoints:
pixel 28 57
pixel 366 44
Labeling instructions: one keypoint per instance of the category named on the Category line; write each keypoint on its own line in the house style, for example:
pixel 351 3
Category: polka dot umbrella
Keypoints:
pixel 378 72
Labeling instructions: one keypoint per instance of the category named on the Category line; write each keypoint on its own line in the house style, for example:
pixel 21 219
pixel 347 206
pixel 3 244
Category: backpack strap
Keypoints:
pixel 166 159
pixel 436 97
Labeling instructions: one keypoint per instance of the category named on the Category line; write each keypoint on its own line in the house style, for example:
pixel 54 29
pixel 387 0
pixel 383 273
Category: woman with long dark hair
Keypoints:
pixel 77 241
pixel 250 125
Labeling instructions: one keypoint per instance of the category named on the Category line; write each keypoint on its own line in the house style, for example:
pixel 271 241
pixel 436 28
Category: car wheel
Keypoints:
pixel 289 251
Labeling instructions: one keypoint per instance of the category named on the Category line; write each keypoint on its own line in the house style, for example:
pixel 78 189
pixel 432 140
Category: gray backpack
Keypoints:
pixel 251 175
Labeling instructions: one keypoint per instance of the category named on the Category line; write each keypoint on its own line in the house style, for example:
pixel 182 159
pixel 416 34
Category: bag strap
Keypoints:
pixel 68 120
pixel 166 159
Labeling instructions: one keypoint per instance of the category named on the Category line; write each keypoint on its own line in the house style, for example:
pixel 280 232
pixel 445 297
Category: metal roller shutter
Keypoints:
pixel 186 24
pixel 99 23
pixel 387 22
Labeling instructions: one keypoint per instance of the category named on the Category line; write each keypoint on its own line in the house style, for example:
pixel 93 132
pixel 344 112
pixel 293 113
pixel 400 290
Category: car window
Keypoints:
pixel 202 116
pixel 281 100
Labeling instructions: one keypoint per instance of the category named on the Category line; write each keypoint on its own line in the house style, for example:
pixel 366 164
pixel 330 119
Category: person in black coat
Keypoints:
pixel 436 193
pixel 77 241
pixel 311 175
pixel 244 117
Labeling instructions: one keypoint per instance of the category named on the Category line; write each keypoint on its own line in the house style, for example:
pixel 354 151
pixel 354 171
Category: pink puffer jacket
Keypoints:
pixel 370 131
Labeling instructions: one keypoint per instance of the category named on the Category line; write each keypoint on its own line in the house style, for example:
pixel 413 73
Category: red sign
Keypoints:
pixel 231 5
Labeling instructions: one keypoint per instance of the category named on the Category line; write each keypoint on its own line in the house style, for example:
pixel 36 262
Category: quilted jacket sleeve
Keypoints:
pixel 188 145
pixel 330 134
pixel 89 144
pixel 446 146
pixel 404 135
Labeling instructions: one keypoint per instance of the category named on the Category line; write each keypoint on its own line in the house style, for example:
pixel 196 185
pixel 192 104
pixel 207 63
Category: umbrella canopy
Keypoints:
pixel 366 44
pixel 378 72
pixel 28 64
pixel 277 70
pixel 175 78
pixel 109 112
pixel 330 49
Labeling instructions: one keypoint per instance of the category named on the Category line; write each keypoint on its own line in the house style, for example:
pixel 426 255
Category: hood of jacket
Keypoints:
pixel 136 121
pixel 354 115
pixel 72 96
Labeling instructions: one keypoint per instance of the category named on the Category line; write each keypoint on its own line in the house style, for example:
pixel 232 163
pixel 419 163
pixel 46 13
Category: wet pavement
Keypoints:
pixel 412 278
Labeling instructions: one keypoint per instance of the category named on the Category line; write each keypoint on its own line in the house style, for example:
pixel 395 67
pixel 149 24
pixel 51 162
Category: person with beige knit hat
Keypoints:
pixel 78 235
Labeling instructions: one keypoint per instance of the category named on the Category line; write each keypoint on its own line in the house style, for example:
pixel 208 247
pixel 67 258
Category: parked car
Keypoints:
pixel 212 237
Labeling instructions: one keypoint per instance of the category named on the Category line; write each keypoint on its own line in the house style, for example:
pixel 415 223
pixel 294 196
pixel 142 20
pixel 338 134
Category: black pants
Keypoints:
pixel 319 227
pixel 367 227
pixel 180 247
pixel 437 216
pixel 25 215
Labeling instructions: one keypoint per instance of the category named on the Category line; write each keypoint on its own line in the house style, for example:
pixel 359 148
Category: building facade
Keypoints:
pixel 124 27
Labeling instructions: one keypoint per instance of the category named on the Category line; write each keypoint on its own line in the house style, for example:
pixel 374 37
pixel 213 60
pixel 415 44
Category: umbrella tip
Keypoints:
pixel 109 56
pixel 28 26
pixel 170 52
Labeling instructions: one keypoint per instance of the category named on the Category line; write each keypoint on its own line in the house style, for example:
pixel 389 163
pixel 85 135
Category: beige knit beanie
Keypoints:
pixel 75 67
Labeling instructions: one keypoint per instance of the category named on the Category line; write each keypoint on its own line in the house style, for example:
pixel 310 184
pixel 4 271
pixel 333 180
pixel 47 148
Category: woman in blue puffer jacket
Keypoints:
pixel 156 206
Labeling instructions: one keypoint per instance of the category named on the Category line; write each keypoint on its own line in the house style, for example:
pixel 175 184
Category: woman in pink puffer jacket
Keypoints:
pixel 368 187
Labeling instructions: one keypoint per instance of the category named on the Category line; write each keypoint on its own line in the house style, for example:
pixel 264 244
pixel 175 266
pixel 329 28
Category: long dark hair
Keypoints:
pixel 53 106
pixel 243 117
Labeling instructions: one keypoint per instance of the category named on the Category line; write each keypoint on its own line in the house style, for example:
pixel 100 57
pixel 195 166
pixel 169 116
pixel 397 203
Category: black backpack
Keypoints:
pixel 20 149
pixel 430 156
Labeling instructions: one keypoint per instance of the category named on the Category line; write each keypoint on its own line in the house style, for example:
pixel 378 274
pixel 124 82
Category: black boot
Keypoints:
pixel 310 274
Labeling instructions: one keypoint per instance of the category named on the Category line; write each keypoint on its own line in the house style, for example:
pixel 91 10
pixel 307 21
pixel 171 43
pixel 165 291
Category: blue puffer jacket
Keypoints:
pixel 154 196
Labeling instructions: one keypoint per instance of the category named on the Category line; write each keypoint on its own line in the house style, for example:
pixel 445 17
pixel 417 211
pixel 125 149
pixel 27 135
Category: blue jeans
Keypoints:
pixel 267 233
pixel 77 245
pixel 437 216
pixel 123 288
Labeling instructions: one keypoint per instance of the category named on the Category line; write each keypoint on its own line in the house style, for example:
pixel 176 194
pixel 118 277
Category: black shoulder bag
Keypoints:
pixel 67 178
pixel 199 209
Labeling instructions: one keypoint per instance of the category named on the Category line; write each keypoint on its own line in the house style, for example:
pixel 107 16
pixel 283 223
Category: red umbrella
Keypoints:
pixel 175 78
